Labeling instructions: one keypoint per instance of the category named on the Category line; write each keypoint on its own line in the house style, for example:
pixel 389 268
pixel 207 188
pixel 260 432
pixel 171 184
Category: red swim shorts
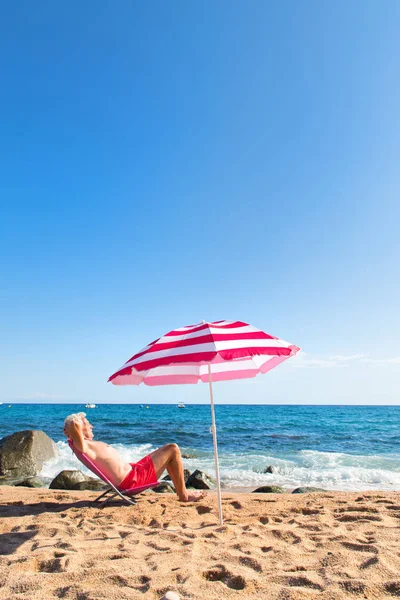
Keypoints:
pixel 142 474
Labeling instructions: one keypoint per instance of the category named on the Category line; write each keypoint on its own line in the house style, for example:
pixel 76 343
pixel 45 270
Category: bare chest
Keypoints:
pixel 103 450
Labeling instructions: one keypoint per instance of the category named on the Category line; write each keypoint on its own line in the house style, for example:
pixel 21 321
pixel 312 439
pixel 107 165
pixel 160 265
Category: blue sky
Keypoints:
pixel 164 163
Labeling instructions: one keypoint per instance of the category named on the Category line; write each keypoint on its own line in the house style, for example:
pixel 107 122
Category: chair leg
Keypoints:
pixel 128 501
pixel 107 491
pixel 114 492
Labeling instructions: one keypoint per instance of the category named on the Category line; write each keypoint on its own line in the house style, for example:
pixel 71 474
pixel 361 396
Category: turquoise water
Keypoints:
pixel 347 448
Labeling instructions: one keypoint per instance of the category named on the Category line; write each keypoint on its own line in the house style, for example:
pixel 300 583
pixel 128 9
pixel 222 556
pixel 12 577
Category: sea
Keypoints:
pixel 348 448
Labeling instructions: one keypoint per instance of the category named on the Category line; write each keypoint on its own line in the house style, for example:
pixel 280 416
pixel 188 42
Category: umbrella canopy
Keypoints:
pixel 234 350
pixel 205 352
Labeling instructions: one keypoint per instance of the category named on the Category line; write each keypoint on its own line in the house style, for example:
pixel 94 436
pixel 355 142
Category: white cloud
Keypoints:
pixel 382 361
pixel 303 361
pixel 346 358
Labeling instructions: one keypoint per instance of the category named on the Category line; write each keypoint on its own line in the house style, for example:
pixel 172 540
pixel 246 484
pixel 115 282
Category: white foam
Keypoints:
pixel 332 471
pixel 329 470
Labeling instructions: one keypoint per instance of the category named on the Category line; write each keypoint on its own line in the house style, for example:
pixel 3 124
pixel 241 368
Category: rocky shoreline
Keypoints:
pixel 23 454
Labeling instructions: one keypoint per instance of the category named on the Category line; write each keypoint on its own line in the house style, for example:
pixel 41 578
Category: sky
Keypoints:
pixel 165 163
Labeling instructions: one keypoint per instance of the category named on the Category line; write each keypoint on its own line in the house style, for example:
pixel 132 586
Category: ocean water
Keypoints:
pixel 334 447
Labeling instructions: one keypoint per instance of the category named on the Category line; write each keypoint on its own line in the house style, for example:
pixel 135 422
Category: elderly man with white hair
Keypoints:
pixel 127 475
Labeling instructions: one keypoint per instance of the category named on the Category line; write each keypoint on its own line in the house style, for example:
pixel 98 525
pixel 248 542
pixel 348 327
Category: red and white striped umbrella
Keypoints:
pixel 234 350
pixel 205 352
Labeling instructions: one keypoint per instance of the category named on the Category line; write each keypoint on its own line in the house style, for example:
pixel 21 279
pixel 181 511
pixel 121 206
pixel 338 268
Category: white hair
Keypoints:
pixel 74 417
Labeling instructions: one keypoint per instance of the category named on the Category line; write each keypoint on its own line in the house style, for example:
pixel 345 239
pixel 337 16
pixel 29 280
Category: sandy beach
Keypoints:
pixel 275 546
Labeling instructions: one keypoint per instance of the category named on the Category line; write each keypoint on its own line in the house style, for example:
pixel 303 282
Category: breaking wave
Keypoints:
pixel 328 470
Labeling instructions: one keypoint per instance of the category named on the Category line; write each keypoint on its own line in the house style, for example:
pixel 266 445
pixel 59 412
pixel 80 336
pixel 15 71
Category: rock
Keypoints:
pixel 23 454
pixel 306 490
pixel 171 596
pixel 188 455
pixel 186 475
pixel 66 480
pixel 269 489
pixel 270 469
pixel 95 485
pixel 164 488
pixel 200 481
pixel 31 482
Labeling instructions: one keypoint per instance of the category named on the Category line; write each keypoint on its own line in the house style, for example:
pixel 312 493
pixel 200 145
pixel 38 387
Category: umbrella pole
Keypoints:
pixel 214 433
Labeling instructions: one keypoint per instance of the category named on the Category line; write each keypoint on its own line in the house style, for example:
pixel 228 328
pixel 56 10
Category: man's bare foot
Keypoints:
pixel 192 496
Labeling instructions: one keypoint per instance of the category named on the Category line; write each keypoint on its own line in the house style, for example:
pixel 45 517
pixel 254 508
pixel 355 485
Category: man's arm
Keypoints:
pixel 76 434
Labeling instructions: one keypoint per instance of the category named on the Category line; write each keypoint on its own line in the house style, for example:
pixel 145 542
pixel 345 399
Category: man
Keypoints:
pixel 127 475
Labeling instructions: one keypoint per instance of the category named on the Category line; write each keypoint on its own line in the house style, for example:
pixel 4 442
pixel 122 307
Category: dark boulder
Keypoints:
pixel 269 489
pixel 306 490
pixel 188 455
pixel 270 469
pixel 200 480
pixel 23 454
pixel 164 488
pixel 92 484
pixel 186 475
pixel 66 480
pixel 31 482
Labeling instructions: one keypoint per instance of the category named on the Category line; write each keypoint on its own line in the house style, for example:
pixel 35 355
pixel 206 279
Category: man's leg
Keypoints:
pixel 169 457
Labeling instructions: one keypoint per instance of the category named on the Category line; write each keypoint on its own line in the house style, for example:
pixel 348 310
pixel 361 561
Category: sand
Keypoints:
pixel 332 546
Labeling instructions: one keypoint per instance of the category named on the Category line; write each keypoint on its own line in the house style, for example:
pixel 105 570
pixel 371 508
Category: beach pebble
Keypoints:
pixel 170 596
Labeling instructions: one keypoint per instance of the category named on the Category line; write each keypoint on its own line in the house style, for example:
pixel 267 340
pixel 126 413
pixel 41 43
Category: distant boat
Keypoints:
pixel 90 406
pixel 181 405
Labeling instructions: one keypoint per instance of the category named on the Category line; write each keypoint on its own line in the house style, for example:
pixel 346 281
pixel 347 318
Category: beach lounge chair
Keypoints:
pixel 112 491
